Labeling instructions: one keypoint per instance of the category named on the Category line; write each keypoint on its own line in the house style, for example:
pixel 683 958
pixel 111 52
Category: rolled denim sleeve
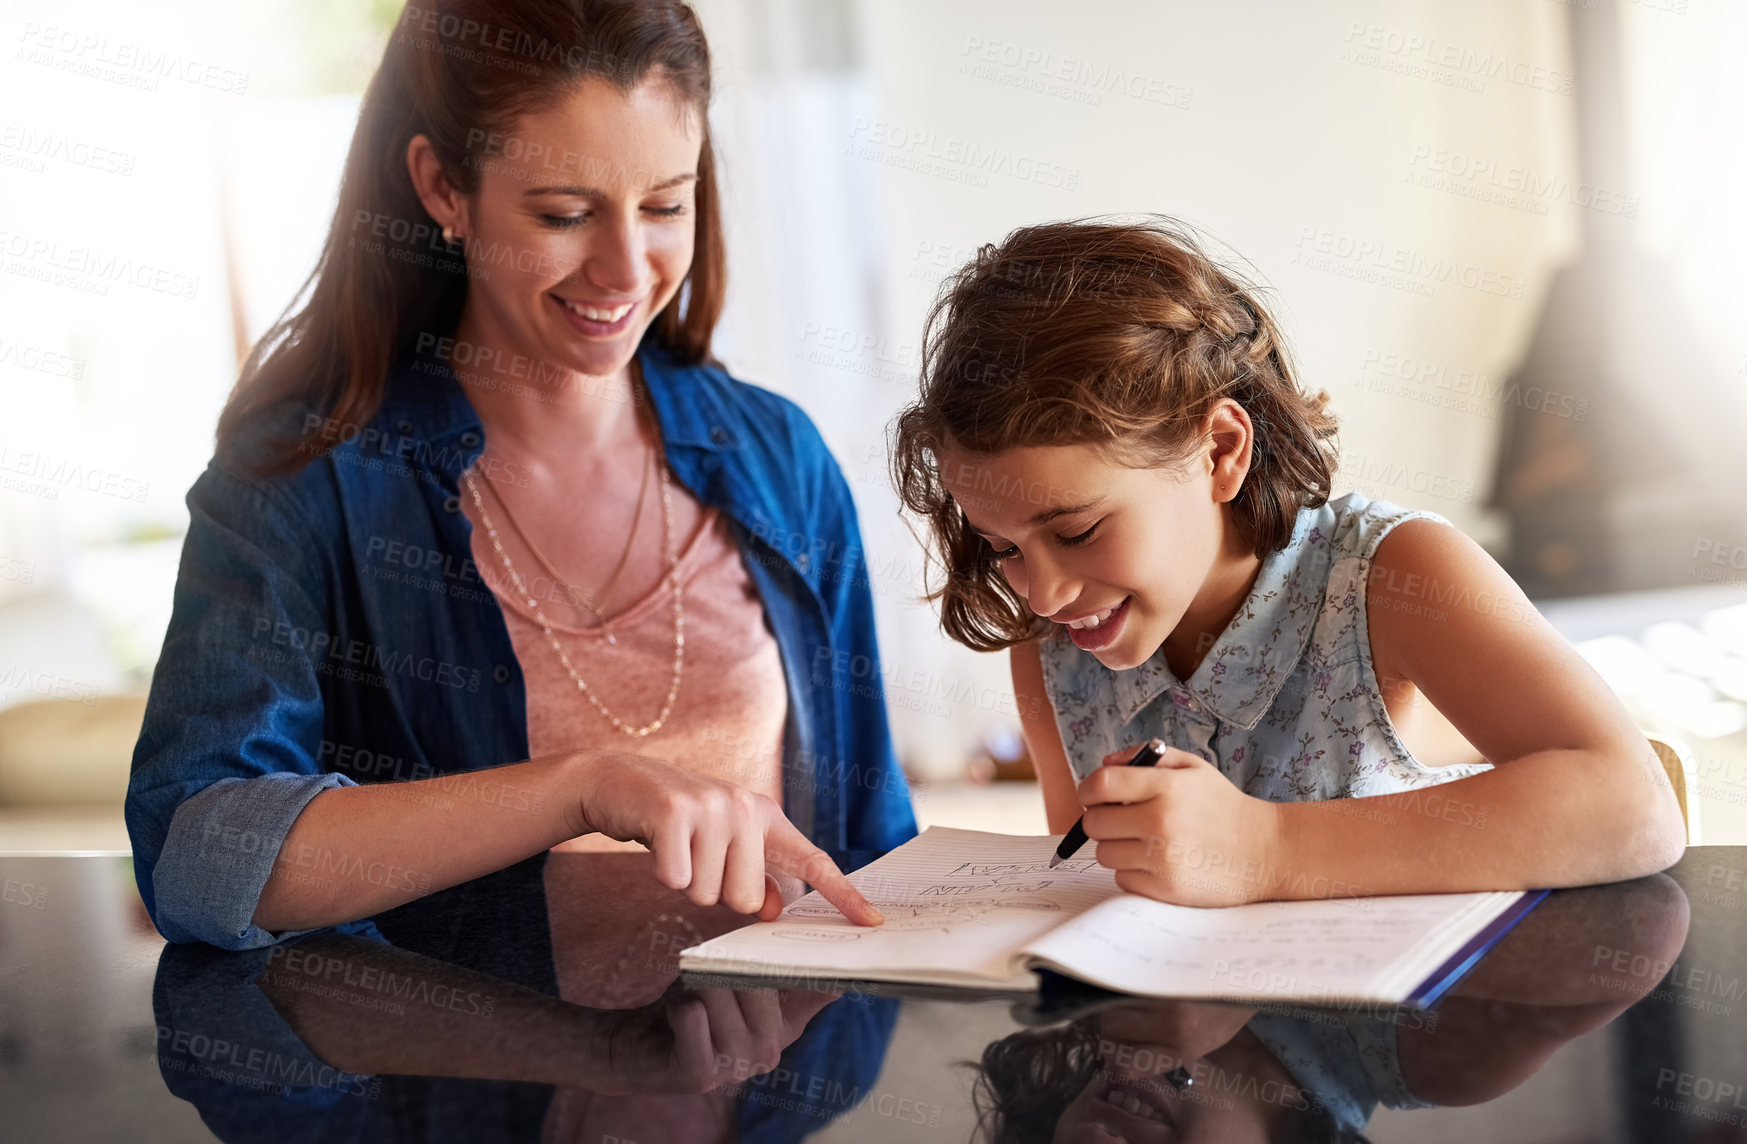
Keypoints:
pixel 229 754
pixel 878 813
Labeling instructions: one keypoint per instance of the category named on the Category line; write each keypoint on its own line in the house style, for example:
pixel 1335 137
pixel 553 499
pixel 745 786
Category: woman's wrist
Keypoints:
pixel 576 773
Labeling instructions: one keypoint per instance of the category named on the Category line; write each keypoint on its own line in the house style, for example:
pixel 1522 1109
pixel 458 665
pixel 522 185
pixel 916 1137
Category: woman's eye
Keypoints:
pixel 1071 541
pixel 563 222
pixel 1006 553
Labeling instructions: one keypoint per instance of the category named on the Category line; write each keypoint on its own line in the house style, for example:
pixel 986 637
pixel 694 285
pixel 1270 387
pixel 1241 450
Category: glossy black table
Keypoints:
pixel 542 1003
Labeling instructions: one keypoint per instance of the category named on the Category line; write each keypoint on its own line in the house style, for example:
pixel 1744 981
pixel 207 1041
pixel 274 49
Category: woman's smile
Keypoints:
pixel 599 319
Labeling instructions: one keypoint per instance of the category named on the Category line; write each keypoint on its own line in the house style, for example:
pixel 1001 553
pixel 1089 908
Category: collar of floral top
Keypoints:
pixel 1243 671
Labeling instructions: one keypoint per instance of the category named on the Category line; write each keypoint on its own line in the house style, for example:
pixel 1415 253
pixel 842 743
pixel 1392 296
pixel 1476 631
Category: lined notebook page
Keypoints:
pixel 1354 949
pixel 958 904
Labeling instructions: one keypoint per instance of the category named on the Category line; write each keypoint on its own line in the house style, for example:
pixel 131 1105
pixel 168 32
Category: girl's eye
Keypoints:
pixel 1006 553
pixel 1071 541
pixel 667 212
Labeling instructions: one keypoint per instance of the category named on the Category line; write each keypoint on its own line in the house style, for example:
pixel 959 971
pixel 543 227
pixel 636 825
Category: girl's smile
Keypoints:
pixel 1099 630
pixel 1124 558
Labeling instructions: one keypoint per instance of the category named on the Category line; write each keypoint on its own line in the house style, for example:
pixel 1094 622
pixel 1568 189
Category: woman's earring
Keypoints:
pixel 449 235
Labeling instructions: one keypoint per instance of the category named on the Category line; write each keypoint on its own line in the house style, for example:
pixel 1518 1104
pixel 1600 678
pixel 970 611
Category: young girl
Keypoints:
pixel 1129 491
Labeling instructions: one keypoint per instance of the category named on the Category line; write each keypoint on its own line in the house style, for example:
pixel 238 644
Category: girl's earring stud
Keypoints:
pixel 449 235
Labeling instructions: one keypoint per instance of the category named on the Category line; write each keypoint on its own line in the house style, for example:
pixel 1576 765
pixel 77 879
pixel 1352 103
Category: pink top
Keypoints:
pixel 732 705
pixel 616 931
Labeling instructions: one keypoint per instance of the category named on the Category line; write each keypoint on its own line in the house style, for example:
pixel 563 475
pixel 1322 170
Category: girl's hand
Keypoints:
pixel 711 839
pixel 1180 831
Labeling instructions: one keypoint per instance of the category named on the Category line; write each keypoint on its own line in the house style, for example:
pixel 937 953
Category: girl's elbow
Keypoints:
pixel 1646 819
pixel 1663 832
pixel 1674 845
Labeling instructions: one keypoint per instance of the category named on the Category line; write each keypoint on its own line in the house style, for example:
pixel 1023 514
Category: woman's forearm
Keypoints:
pixel 329 989
pixel 1551 819
pixel 355 851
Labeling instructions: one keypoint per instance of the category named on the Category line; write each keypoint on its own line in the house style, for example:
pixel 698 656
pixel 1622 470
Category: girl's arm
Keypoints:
pixel 1575 796
pixel 1061 804
pixel 1554 978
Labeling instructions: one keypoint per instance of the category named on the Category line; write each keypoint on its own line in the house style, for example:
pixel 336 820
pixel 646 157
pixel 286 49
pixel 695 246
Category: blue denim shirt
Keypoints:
pixel 330 628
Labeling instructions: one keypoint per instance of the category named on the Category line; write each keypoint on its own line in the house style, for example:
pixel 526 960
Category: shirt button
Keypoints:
pixel 803 561
pixel 501 673
pixel 719 435
pixel 452 504
pixel 404 428
pixel 470 439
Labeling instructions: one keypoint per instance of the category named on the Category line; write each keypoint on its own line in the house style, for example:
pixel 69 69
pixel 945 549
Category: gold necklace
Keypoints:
pixel 551 638
pixel 570 592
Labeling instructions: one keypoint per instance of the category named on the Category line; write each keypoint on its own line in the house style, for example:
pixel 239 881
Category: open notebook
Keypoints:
pixel 984 911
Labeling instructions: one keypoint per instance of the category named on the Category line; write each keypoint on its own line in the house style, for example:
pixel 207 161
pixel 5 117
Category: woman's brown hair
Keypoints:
pixel 1118 334
pixel 460 72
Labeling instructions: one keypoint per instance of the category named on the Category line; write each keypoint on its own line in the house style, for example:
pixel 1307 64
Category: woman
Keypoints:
pixel 485 499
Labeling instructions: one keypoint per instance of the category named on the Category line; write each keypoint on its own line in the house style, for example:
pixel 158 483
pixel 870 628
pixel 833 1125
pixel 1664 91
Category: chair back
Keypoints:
pixel 1682 771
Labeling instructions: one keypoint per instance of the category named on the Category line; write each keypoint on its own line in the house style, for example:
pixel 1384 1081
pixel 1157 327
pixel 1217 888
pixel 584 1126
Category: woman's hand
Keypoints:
pixel 697 1041
pixel 1181 832
pixel 712 840
pixel 723 1036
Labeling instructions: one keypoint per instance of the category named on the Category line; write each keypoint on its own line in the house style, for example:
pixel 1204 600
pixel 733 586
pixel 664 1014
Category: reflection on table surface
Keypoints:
pixel 544 1002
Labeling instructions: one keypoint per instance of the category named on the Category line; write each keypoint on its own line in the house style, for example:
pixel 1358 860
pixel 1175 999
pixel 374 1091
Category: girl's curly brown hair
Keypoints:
pixel 1118 334
pixel 1026 1080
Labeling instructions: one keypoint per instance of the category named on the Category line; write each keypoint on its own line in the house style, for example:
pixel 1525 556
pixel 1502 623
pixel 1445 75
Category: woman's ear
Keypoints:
pixel 1232 439
pixel 446 205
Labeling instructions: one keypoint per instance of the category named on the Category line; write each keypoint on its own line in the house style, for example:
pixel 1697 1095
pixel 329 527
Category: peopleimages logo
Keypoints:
pixel 90 270
pixel 1444 62
pixel 52 474
pixel 951 157
pixel 138 65
pixel 1385 263
pixel 1519 188
pixel 38 147
pixel 1077 79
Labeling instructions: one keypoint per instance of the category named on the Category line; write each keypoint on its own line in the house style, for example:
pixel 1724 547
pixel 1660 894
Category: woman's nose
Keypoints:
pixel 617 260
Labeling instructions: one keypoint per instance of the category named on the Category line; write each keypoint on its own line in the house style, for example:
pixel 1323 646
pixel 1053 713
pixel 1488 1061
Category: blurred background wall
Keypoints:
pixel 1501 234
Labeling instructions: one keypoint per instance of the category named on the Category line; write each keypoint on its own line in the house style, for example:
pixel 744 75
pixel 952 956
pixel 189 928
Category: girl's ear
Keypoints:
pixel 1232 439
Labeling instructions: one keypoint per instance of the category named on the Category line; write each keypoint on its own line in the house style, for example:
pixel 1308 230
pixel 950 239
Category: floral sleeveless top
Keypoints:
pixel 1285 703
pixel 1350 1062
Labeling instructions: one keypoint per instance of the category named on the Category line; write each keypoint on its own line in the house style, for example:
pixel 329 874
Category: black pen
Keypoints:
pixel 1148 755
